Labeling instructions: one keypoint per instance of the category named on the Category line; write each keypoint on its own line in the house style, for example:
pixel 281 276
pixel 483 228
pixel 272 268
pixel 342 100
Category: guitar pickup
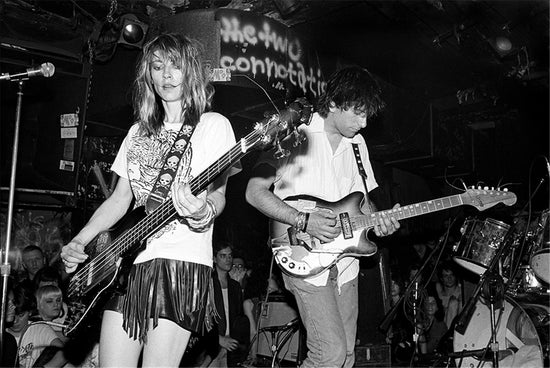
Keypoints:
pixel 345 225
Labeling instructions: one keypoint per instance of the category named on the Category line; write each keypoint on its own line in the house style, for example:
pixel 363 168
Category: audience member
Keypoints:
pixel 33 259
pixel 9 344
pixel 47 276
pixel 51 276
pixel 449 291
pixel 40 345
pixel 233 327
pixel 432 328
pixel 240 272
pixel 25 306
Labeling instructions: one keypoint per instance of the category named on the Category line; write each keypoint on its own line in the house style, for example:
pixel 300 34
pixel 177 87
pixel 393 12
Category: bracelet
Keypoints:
pixel 306 222
pixel 300 221
pixel 203 223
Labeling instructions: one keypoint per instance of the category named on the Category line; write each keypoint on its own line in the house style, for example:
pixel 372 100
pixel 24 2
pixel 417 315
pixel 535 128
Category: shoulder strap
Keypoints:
pixel 360 167
pixel 168 172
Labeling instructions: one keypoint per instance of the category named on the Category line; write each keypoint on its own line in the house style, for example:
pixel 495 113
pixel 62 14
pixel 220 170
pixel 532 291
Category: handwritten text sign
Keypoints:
pixel 267 51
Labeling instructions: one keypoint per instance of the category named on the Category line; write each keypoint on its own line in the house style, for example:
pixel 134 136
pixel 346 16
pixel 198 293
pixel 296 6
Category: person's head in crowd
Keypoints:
pixel 25 305
pixel 223 256
pixel 239 270
pixel 447 275
pixel 397 285
pixel 433 306
pixel 47 276
pixel 33 260
pixel 412 270
pixel 49 301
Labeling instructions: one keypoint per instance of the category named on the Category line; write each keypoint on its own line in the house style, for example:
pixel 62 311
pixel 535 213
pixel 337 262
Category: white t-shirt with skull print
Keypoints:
pixel 140 160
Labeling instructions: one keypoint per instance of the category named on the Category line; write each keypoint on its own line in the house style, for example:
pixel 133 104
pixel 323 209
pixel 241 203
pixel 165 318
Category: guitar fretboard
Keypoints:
pixel 411 210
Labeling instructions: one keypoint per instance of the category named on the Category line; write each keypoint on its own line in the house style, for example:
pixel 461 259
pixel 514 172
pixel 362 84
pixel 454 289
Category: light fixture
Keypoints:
pixel 133 31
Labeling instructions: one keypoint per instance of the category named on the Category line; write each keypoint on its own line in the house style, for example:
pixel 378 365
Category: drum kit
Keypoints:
pixel 513 263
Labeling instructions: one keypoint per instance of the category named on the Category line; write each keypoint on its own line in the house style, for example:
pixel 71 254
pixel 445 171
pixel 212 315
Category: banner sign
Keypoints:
pixel 268 52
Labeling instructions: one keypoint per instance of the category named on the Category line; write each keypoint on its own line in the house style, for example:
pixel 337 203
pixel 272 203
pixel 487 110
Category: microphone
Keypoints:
pixel 44 70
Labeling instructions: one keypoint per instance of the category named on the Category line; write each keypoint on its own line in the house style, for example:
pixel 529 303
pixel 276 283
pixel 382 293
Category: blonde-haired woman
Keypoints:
pixel 167 293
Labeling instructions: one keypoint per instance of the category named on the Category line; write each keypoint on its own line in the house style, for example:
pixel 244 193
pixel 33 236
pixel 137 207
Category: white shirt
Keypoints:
pixel 140 159
pixel 314 169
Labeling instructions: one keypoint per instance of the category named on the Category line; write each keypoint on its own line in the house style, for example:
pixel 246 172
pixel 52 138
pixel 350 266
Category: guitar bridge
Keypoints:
pixel 345 225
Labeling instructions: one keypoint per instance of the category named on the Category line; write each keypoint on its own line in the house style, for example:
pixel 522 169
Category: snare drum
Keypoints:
pixel 521 327
pixel 479 244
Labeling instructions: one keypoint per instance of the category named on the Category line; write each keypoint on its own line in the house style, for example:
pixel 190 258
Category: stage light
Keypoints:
pixel 133 31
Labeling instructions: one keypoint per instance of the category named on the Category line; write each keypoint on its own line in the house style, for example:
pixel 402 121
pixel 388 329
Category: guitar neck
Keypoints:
pixel 166 211
pixel 411 210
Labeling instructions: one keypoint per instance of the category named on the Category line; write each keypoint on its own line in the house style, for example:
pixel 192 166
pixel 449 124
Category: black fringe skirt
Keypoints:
pixel 179 291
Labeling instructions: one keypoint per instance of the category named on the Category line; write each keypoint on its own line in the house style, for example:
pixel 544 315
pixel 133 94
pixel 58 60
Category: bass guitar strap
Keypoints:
pixel 168 172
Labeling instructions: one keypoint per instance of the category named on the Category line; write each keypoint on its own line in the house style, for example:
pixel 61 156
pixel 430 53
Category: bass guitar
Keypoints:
pixel 111 251
pixel 301 255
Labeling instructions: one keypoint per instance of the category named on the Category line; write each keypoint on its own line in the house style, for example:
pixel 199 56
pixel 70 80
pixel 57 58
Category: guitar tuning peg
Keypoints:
pixel 505 189
pixel 485 188
pixel 280 152
pixel 298 137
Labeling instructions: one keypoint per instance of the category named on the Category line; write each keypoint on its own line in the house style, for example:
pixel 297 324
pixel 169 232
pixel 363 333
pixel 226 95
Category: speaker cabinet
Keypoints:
pixel 279 331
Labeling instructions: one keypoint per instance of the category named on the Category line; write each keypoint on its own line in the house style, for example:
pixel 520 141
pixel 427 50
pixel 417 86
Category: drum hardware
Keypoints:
pixel 464 317
pixel 522 334
pixel 493 292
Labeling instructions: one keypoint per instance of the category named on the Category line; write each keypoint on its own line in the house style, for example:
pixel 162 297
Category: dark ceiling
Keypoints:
pixel 457 105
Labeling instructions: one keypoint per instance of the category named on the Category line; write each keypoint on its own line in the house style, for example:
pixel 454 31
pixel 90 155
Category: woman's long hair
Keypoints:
pixel 197 93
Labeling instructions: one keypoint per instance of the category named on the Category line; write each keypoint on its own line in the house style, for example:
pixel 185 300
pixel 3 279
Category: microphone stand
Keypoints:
pixel 5 268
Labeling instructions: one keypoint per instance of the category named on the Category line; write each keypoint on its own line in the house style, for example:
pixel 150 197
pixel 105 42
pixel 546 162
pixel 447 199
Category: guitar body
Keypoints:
pixel 102 274
pixel 300 255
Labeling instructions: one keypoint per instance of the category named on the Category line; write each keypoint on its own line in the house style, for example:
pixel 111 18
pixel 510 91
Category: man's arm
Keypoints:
pixel 321 224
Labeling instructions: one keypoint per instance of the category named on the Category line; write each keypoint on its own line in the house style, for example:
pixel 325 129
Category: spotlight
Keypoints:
pixel 133 31
pixel 501 45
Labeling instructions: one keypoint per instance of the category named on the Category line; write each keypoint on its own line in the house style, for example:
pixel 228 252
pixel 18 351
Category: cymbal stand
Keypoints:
pixel 5 268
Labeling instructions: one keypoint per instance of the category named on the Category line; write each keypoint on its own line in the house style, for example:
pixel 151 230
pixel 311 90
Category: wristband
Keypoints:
pixel 300 221
pixel 306 222
pixel 209 216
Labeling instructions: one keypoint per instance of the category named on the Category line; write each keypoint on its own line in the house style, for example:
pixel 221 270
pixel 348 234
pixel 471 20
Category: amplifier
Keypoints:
pixel 279 331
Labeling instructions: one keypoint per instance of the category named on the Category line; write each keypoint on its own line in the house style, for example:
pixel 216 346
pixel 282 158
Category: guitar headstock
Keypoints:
pixel 484 198
pixel 274 128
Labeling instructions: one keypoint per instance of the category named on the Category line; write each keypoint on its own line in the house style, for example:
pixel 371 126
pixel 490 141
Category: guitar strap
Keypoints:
pixel 360 167
pixel 168 172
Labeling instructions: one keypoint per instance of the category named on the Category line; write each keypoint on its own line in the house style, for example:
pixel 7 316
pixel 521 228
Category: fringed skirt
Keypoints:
pixel 164 288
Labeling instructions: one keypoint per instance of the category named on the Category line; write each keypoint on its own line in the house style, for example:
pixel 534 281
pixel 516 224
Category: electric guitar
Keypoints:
pixel 111 253
pixel 301 255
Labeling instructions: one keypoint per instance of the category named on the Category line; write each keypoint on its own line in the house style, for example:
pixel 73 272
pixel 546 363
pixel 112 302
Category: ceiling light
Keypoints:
pixel 133 31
